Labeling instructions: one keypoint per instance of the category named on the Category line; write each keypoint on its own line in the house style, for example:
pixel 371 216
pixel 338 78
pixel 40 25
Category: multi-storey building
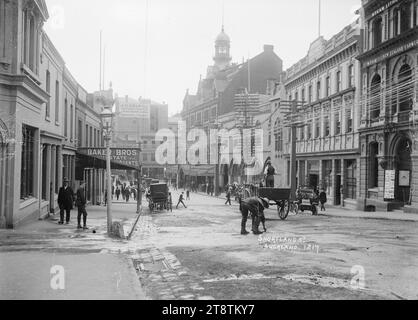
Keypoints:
pixel 228 97
pixel 326 82
pixel 389 110
pixel 138 121
pixel 41 106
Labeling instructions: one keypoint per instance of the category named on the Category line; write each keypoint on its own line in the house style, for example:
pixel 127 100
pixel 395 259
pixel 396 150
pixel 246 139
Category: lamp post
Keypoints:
pixel 107 117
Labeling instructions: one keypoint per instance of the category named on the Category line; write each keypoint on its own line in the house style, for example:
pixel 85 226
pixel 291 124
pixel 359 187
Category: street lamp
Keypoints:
pixel 107 117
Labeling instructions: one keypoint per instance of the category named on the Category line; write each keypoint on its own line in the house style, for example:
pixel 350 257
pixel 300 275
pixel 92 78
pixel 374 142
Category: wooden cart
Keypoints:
pixel 158 198
pixel 279 197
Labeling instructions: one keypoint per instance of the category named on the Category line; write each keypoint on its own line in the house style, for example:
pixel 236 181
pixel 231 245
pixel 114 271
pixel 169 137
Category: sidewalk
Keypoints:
pixel 29 252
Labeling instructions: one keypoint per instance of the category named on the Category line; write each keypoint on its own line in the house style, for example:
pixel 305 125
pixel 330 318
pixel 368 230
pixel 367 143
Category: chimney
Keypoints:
pixel 268 48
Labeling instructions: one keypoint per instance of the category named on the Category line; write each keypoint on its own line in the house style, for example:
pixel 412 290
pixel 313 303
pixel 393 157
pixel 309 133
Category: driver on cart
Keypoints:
pixel 256 206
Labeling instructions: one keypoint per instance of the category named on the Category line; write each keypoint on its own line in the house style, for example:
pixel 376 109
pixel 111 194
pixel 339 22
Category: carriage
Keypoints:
pixel 159 198
pixel 279 197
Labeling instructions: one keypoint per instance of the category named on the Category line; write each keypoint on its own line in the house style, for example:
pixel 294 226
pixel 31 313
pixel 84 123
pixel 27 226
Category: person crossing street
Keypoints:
pixel 181 200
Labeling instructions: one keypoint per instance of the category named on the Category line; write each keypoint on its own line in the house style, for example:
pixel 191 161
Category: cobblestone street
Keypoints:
pixel 198 253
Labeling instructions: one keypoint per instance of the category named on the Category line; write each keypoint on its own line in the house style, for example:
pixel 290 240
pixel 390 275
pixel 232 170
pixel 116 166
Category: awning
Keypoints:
pixel 86 161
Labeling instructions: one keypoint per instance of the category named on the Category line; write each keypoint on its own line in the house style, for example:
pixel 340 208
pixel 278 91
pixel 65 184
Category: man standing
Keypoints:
pixel 81 206
pixel 65 201
pixel 256 207
pixel 269 174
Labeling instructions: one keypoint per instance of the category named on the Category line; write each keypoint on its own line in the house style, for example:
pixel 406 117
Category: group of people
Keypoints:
pixel 125 191
pixel 66 200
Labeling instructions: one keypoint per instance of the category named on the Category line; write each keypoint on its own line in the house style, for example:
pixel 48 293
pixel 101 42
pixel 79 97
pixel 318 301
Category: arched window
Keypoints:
pixel 375 97
pixel 377 31
pixel 405 88
pixel 405 16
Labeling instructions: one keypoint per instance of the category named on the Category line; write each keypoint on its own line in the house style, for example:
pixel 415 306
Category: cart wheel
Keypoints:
pixel 284 210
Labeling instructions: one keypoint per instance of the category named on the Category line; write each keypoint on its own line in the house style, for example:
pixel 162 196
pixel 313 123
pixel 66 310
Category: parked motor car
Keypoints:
pixel 308 200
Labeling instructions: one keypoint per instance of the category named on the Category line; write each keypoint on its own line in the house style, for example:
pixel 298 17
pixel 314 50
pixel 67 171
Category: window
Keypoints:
pixel 349 120
pixel 87 136
pixel 328 84
pixel 153 156
pixel 303 94
pixel 95 138
pixel 309 130
pixel 351 76
pixel 297 96
pixel 318 90
pixel 28 163
pixel 278 136
pixel 405 16
pixel 269 132
pixel 48 90
pixel 72 122
pixel 339 81
pixel 317 128
pixel 326 127
pixel 65 118
pixel 377 31
pixel 57 101
pixel 406 88
pixel 396 22
pixel 80 133
pixel 310 94
pixel 91 137
pixel 145 156
pixel 374 165
pixel 337 123
pixel 29 38
pixel 302 133
pixel 375 98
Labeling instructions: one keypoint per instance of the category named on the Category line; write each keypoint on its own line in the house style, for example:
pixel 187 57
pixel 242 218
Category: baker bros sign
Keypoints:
pixel 124 156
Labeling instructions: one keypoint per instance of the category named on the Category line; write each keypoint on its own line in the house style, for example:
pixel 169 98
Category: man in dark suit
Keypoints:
pixel 65 201
pixel 81 206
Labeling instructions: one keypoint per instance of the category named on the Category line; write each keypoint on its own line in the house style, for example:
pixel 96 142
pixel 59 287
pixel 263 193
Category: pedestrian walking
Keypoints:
pixel 113 191
pixel 81 207
pixel 65 201
pixel 323 199
pixel 228 197
pixel 127 194
pixel 256 207
pixel 117 193
pixel 181 198
pixel 188 194
pixel 105 198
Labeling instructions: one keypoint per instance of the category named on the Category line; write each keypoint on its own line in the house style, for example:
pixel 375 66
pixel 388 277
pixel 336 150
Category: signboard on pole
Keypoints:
pixel 389 193
pixel 125 156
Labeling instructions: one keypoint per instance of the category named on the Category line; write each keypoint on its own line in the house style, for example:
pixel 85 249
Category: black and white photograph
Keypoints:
pixel 208 154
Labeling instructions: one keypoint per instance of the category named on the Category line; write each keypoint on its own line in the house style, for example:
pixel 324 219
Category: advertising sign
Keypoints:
pixel 389 184
pixel 135 110
pixel 125 156
pixel 404 178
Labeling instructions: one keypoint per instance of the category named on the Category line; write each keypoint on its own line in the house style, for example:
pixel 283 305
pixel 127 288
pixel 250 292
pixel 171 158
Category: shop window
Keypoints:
pixel 28 163
pixel 351 180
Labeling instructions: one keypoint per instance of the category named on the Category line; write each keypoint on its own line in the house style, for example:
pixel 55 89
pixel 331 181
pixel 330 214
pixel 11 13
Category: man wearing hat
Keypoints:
pixel 81 206
pixel 269 175
pixel 256 206
pixel 65 201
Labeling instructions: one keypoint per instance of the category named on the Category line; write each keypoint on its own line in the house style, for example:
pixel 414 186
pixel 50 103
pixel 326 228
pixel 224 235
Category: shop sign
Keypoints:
pixel 392 53
pixel 404 178
pixel 125 156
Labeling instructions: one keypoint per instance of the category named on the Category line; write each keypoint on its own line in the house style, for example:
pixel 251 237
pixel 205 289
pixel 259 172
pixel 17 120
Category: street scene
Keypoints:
pixel 177 151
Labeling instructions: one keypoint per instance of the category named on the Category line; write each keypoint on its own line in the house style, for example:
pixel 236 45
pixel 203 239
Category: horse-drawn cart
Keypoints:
pixel 158 197
pixel 280 197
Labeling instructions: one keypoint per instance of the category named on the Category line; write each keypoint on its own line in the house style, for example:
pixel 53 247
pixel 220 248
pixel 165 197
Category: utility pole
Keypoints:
pixel 293 122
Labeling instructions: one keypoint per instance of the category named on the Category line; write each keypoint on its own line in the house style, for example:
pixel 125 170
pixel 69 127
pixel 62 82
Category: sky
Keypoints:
pixel 158 49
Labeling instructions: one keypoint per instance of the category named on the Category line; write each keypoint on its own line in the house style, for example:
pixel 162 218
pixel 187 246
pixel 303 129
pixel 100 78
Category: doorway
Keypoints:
pixel 338 190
